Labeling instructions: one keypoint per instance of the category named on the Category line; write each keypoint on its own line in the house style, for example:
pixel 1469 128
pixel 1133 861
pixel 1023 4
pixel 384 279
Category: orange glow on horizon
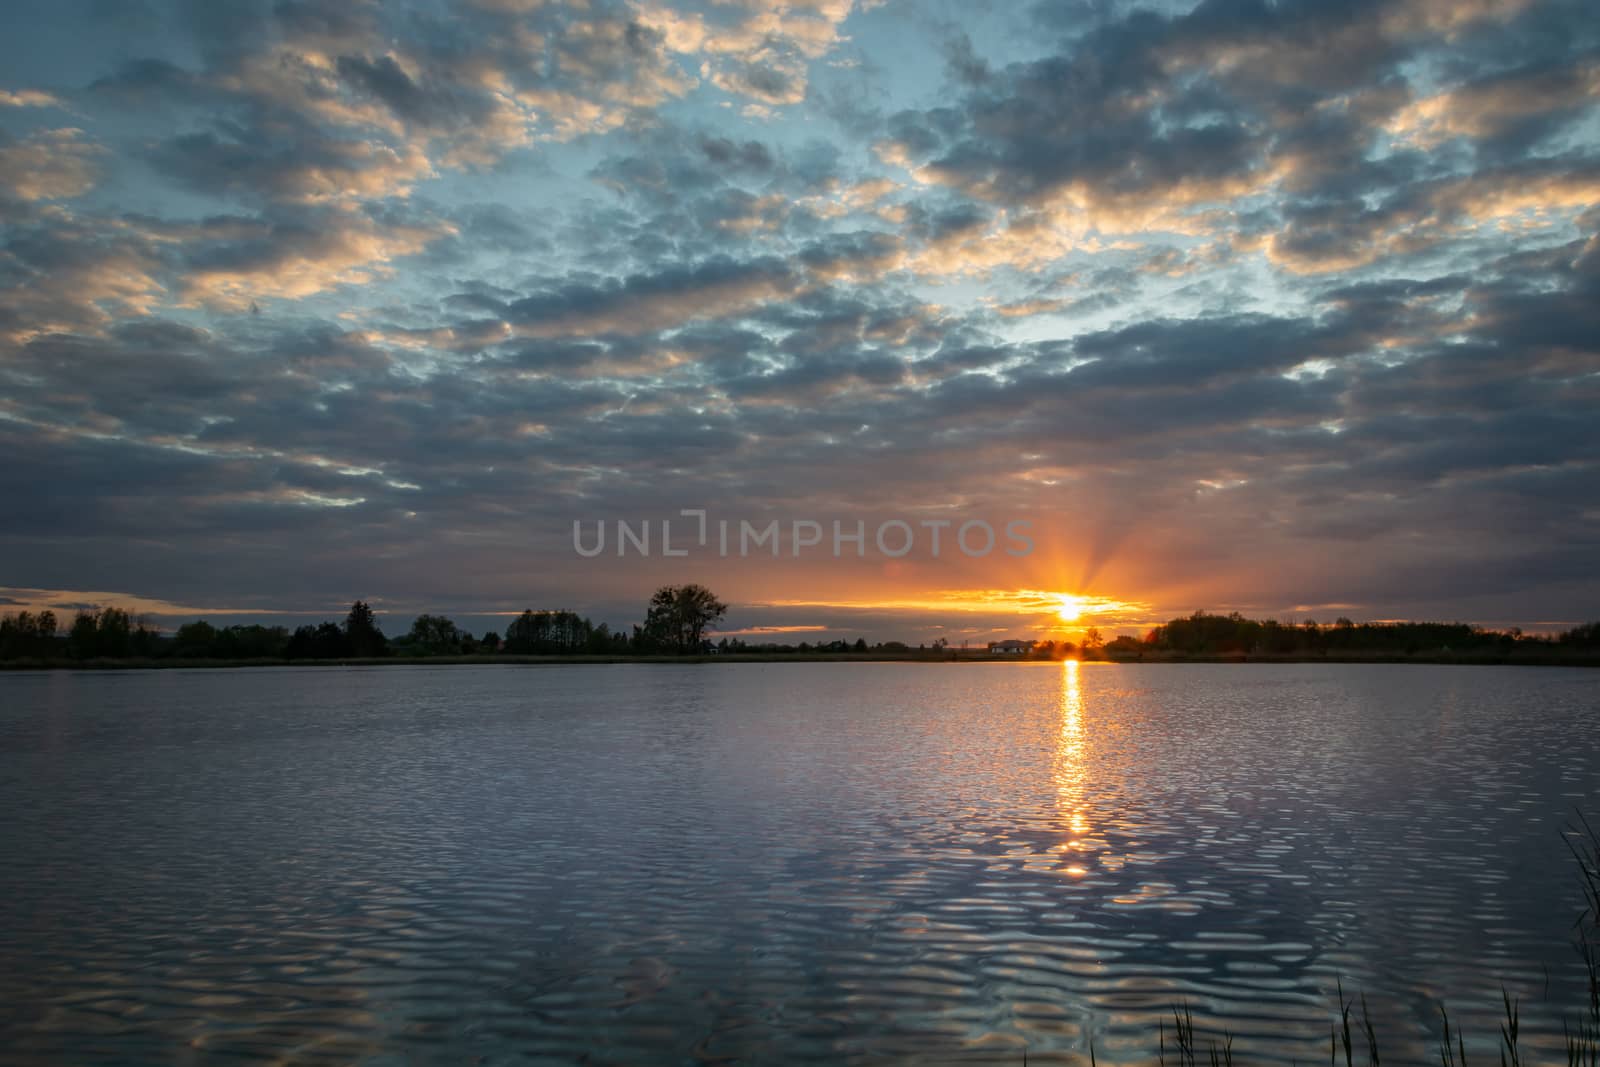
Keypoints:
pixel 1051 609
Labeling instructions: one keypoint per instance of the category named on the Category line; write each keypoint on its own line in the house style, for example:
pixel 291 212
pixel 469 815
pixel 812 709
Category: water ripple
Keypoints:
pixel 780 863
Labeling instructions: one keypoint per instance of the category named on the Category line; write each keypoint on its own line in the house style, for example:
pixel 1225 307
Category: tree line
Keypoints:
pixel 1206 634
pixel 679 619
pixel 676 622
pixel 93 634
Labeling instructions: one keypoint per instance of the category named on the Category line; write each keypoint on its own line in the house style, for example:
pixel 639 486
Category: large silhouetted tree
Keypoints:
pixel 679 616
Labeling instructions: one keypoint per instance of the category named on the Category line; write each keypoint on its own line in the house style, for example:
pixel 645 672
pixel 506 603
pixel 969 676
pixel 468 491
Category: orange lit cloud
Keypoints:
pixel 50 165
pixel 66 601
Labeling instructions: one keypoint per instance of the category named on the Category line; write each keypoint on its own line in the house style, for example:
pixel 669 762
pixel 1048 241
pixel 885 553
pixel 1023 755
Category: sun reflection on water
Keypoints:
pixel 1072 769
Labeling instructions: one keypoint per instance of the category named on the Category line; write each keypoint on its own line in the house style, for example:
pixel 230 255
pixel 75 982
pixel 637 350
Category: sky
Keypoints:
pixel 1287 308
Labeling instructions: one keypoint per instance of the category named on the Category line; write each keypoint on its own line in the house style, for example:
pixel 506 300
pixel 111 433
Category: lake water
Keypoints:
pixel 769 863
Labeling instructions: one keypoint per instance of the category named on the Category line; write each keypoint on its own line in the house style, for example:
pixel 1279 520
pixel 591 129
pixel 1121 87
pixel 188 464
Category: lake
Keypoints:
pixel 809 862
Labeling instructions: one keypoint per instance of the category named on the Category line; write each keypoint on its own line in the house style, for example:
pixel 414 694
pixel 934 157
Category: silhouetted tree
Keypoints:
pixel 194 640
pixel 299 646
pixel 326 641
pixel 251 642
pixel 115 637
pixel 548 632
pixel 434 635
pixel 599 641
pixel 81 638
pixel 1585 636
pixel 679 616
pixel 108 633
pixel 361 630
pixel 29 636
pixel 1125 646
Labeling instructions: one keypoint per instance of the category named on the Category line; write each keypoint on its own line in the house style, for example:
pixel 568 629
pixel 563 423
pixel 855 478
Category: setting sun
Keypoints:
pixel 1069 608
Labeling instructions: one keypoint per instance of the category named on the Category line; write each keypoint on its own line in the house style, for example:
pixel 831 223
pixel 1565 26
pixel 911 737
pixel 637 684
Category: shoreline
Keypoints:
pixel 949 656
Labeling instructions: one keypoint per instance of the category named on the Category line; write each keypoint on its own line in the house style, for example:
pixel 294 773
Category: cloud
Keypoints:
pixel 76 273
pixel 231 262
pixel 58 164
pixel 66 601
pixel 1204 295
pixel 1493 106
pixel 760 52
pixel 644 303
pixel 28 98
pixel 313 170
pixel 322 101
pixel 65 274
